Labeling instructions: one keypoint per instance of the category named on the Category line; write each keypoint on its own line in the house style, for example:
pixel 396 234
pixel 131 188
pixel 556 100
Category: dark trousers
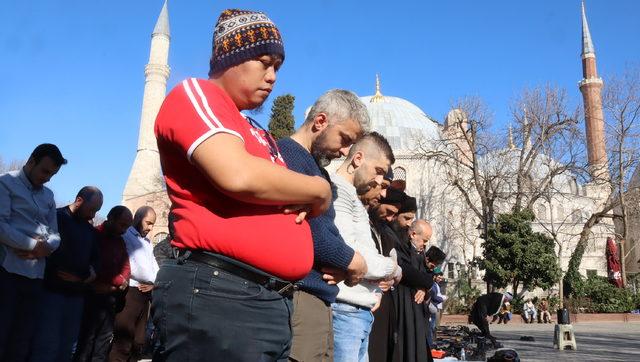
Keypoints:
pixel 58 327
pixel 203 313
pixel 97 328
pixel 129 330
pixel 20 305
pixel 479 317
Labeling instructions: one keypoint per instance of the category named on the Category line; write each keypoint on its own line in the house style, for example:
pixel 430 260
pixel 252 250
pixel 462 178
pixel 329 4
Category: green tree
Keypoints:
pixel 516 255
pixel 281 122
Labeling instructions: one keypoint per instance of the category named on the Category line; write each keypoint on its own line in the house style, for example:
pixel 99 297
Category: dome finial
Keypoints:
pixel 378 96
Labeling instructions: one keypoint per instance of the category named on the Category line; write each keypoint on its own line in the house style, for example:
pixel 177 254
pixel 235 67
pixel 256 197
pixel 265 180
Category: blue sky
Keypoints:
pixel 72 70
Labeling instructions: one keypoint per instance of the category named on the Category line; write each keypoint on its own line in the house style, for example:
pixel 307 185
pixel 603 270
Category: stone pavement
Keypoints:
pixel 596 342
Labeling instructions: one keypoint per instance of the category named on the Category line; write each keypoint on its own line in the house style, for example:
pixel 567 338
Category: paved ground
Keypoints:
pixel 596 342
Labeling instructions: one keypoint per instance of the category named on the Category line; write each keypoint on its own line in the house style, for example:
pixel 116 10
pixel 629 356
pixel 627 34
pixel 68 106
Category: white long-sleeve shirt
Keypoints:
pixel 352 220
pixel 144 266
pixel 27 213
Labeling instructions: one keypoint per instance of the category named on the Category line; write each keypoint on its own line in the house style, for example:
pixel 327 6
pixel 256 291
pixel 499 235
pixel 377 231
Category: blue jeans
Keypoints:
pixel 431 332
pixel 202 313
pixel 351 328
pixel 58 328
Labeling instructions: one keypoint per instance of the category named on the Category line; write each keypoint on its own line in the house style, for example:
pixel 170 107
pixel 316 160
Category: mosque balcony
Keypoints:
pixel 590 81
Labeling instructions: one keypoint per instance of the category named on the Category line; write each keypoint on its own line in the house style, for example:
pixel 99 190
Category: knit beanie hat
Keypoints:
pixel 241 35
pixel 409 205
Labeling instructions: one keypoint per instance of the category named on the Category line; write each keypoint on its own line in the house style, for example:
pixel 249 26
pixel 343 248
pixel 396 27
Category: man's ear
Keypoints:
pixel 30 163
pixel 320 122
pixel 358 159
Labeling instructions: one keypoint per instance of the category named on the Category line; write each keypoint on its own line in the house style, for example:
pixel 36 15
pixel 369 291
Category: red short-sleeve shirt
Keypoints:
pixel 205 218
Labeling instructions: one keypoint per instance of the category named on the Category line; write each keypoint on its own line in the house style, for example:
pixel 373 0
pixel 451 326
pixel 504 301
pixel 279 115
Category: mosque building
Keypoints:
pixel 407 129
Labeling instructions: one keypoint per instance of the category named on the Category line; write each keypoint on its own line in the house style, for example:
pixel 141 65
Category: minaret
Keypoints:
pixel 512 146
pixel 527 130
pixel 591 88
pixel 145 176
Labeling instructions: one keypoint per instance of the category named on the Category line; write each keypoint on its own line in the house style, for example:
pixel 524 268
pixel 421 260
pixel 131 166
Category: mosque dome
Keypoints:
pixel 403 124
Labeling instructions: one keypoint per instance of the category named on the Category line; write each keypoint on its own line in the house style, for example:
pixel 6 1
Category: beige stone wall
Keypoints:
pixel 160 203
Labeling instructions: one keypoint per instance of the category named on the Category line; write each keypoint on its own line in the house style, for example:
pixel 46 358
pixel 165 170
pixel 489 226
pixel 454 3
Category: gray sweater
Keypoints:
pixel 352 220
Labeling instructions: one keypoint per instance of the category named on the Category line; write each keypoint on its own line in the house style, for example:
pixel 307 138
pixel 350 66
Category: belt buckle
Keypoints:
pixel 285 288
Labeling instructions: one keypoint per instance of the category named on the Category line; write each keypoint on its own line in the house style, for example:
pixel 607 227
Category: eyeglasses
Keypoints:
pixel 273 149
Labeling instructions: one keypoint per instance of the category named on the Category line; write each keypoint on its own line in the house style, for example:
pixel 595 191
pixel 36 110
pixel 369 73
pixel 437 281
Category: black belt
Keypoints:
pixel 280 286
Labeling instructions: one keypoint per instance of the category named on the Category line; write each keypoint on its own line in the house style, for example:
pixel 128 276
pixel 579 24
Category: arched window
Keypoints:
pixel 560 213
pixel 576 216
pixel 573 186
pixel 542 212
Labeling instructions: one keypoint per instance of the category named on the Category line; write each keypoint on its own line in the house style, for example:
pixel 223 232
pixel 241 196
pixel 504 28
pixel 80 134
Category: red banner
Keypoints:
pixel 613 263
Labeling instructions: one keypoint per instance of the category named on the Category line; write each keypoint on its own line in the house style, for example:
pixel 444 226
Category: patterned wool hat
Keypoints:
pixel 241 35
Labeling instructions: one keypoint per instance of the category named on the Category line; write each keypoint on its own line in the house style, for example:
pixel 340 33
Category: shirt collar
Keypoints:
pixel 25 180
pixel 135 232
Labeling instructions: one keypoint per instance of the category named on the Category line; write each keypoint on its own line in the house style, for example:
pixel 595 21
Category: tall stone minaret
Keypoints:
pixel 591 88
pixel 145 176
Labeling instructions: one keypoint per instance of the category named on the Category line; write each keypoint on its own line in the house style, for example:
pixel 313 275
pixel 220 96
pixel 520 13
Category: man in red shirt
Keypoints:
pixel 111 281
pixel 240 237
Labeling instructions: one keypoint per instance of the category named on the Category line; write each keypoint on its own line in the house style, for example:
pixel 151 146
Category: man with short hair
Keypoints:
pixel 129 330
pixel 365 165
pixel 336 120
pixel 69 271
pixel 28 234
pixel 111 281
pixel 419 234
pixel 411 292
pixel 239 230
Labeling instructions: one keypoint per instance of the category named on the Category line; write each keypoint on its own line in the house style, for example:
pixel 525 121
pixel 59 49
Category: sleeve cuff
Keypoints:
pixel 208 134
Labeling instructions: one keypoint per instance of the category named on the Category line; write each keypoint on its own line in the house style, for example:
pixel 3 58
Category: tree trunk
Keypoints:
pixel 623 208
pixel 573 270
pixel 560 281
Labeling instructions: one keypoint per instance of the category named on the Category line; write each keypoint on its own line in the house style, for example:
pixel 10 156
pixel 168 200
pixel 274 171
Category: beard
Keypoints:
pixel 321 159
pixel 360 182
pixel 320 152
